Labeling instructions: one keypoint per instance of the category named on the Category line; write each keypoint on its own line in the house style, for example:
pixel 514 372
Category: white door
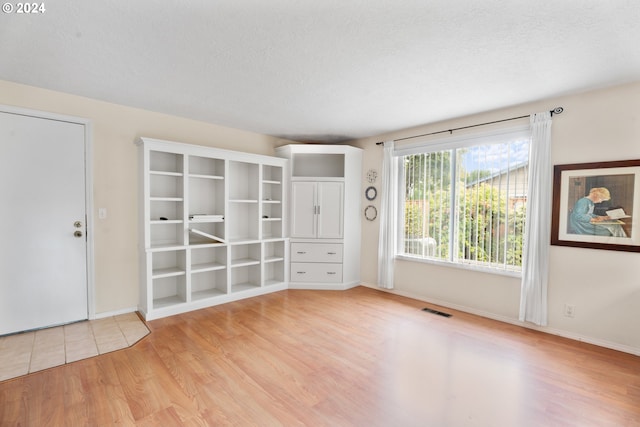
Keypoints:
pixel 330 215
pixel 43 266
pixel 303 209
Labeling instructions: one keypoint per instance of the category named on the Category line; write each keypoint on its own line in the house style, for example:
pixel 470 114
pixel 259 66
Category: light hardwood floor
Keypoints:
pixel 334 358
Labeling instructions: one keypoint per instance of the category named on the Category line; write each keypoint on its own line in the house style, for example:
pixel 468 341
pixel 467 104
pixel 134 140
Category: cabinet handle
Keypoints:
pixel 301 252
pixel 301 272
pixel 331 272
pixel 331 253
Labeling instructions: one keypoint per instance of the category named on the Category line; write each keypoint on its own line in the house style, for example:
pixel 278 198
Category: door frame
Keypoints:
pixel 88 187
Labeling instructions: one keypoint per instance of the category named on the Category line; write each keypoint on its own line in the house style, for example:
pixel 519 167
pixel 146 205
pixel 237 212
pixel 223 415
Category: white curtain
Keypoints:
pixel 535 264
pixel 388 215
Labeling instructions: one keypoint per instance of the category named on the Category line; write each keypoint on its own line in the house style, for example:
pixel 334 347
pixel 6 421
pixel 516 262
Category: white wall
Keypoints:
pixel 115 167
pixel 604 286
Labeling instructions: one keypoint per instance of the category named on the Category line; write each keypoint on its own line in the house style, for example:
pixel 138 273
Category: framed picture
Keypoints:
pixel 597 205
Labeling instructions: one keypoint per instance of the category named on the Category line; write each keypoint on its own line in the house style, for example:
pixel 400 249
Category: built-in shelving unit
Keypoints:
pixel 325 191
pixel 213 224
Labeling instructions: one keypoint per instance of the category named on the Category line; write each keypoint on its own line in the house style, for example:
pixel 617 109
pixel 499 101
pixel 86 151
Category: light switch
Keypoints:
pixel 102 213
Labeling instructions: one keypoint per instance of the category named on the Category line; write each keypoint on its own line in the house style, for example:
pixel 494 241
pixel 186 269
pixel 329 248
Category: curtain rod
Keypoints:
pixel 557 110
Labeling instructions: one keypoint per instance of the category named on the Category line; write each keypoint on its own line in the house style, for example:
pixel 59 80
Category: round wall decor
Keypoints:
pixel 370 213
pixel 370 193
pixel 372 174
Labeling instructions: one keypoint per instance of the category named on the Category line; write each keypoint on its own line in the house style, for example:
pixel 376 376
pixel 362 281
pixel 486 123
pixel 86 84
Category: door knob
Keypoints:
pixel 77 224
pixel 77 233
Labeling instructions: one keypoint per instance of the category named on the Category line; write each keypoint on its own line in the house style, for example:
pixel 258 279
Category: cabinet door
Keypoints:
pixel 303 209
pixel 330 215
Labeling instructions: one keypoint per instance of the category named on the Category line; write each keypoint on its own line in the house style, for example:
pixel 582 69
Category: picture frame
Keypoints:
pixel 597 205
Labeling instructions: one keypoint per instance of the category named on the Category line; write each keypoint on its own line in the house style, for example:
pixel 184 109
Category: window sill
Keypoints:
pixel 516 274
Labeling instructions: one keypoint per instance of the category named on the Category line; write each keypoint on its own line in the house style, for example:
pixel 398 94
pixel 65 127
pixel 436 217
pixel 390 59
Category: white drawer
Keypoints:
pixel 316 252
pixel 316 272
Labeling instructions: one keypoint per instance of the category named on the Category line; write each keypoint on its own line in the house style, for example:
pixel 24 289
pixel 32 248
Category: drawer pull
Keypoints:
pixel 331 253
pixel 301 252
pixel 331 272
pixel 301 272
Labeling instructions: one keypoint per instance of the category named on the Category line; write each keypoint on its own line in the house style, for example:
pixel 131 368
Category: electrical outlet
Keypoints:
pixel 569 310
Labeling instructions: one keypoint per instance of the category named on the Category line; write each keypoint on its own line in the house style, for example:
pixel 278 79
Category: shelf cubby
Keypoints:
pixel 206 167
pixel 327 165
pixel 168 263
pixel 274 272
pixel 206 196
pixel 272 174
pixel 166 234
pixel 172 210
pixel 166 162
pixel 169 291
pixel 243 220
pixel 245 254
pixel 208 284
pixel 245 277
pixel 243 181
pixel 273 251
pixel 208 259
pixel 166 187
pixel 271 228
pixel 206 233
pixel 169 278
pixel 206 186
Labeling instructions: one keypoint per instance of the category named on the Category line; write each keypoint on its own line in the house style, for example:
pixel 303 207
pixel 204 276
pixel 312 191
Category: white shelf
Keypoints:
pixel 203 244
pixel 167 272
pixel 208 293
pixel 273 259
pixel 165 173
pixel 167 302
pixel 166 199
pixel 240 287
pixel 243 262
pixel 243 201
pixel 166 246
pixel 167 221
pixel 267 181
pixel 209 266
pixel 193 175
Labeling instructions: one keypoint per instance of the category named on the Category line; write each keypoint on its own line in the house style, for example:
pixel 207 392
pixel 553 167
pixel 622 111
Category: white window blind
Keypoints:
pixel 464 199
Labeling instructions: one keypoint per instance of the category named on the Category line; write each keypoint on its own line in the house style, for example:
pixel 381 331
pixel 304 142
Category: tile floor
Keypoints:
pixel 29 352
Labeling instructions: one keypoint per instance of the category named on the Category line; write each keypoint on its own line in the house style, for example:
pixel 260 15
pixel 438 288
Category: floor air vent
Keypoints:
pixel 439 313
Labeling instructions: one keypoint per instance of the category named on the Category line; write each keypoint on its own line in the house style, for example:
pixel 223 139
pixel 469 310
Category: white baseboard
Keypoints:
pixel 114 313
pixel 323 286
pixel 553 331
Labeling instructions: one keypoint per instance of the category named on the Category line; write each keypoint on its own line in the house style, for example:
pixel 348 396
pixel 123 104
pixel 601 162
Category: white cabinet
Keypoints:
pixel 317 209
pixel 213 226
pixel 325 212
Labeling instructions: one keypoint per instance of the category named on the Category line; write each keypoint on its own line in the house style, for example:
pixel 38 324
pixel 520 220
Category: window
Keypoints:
pixel 464 200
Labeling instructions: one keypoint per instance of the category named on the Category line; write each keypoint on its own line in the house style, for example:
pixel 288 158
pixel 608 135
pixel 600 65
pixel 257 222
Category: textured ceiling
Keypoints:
pixel 328 70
